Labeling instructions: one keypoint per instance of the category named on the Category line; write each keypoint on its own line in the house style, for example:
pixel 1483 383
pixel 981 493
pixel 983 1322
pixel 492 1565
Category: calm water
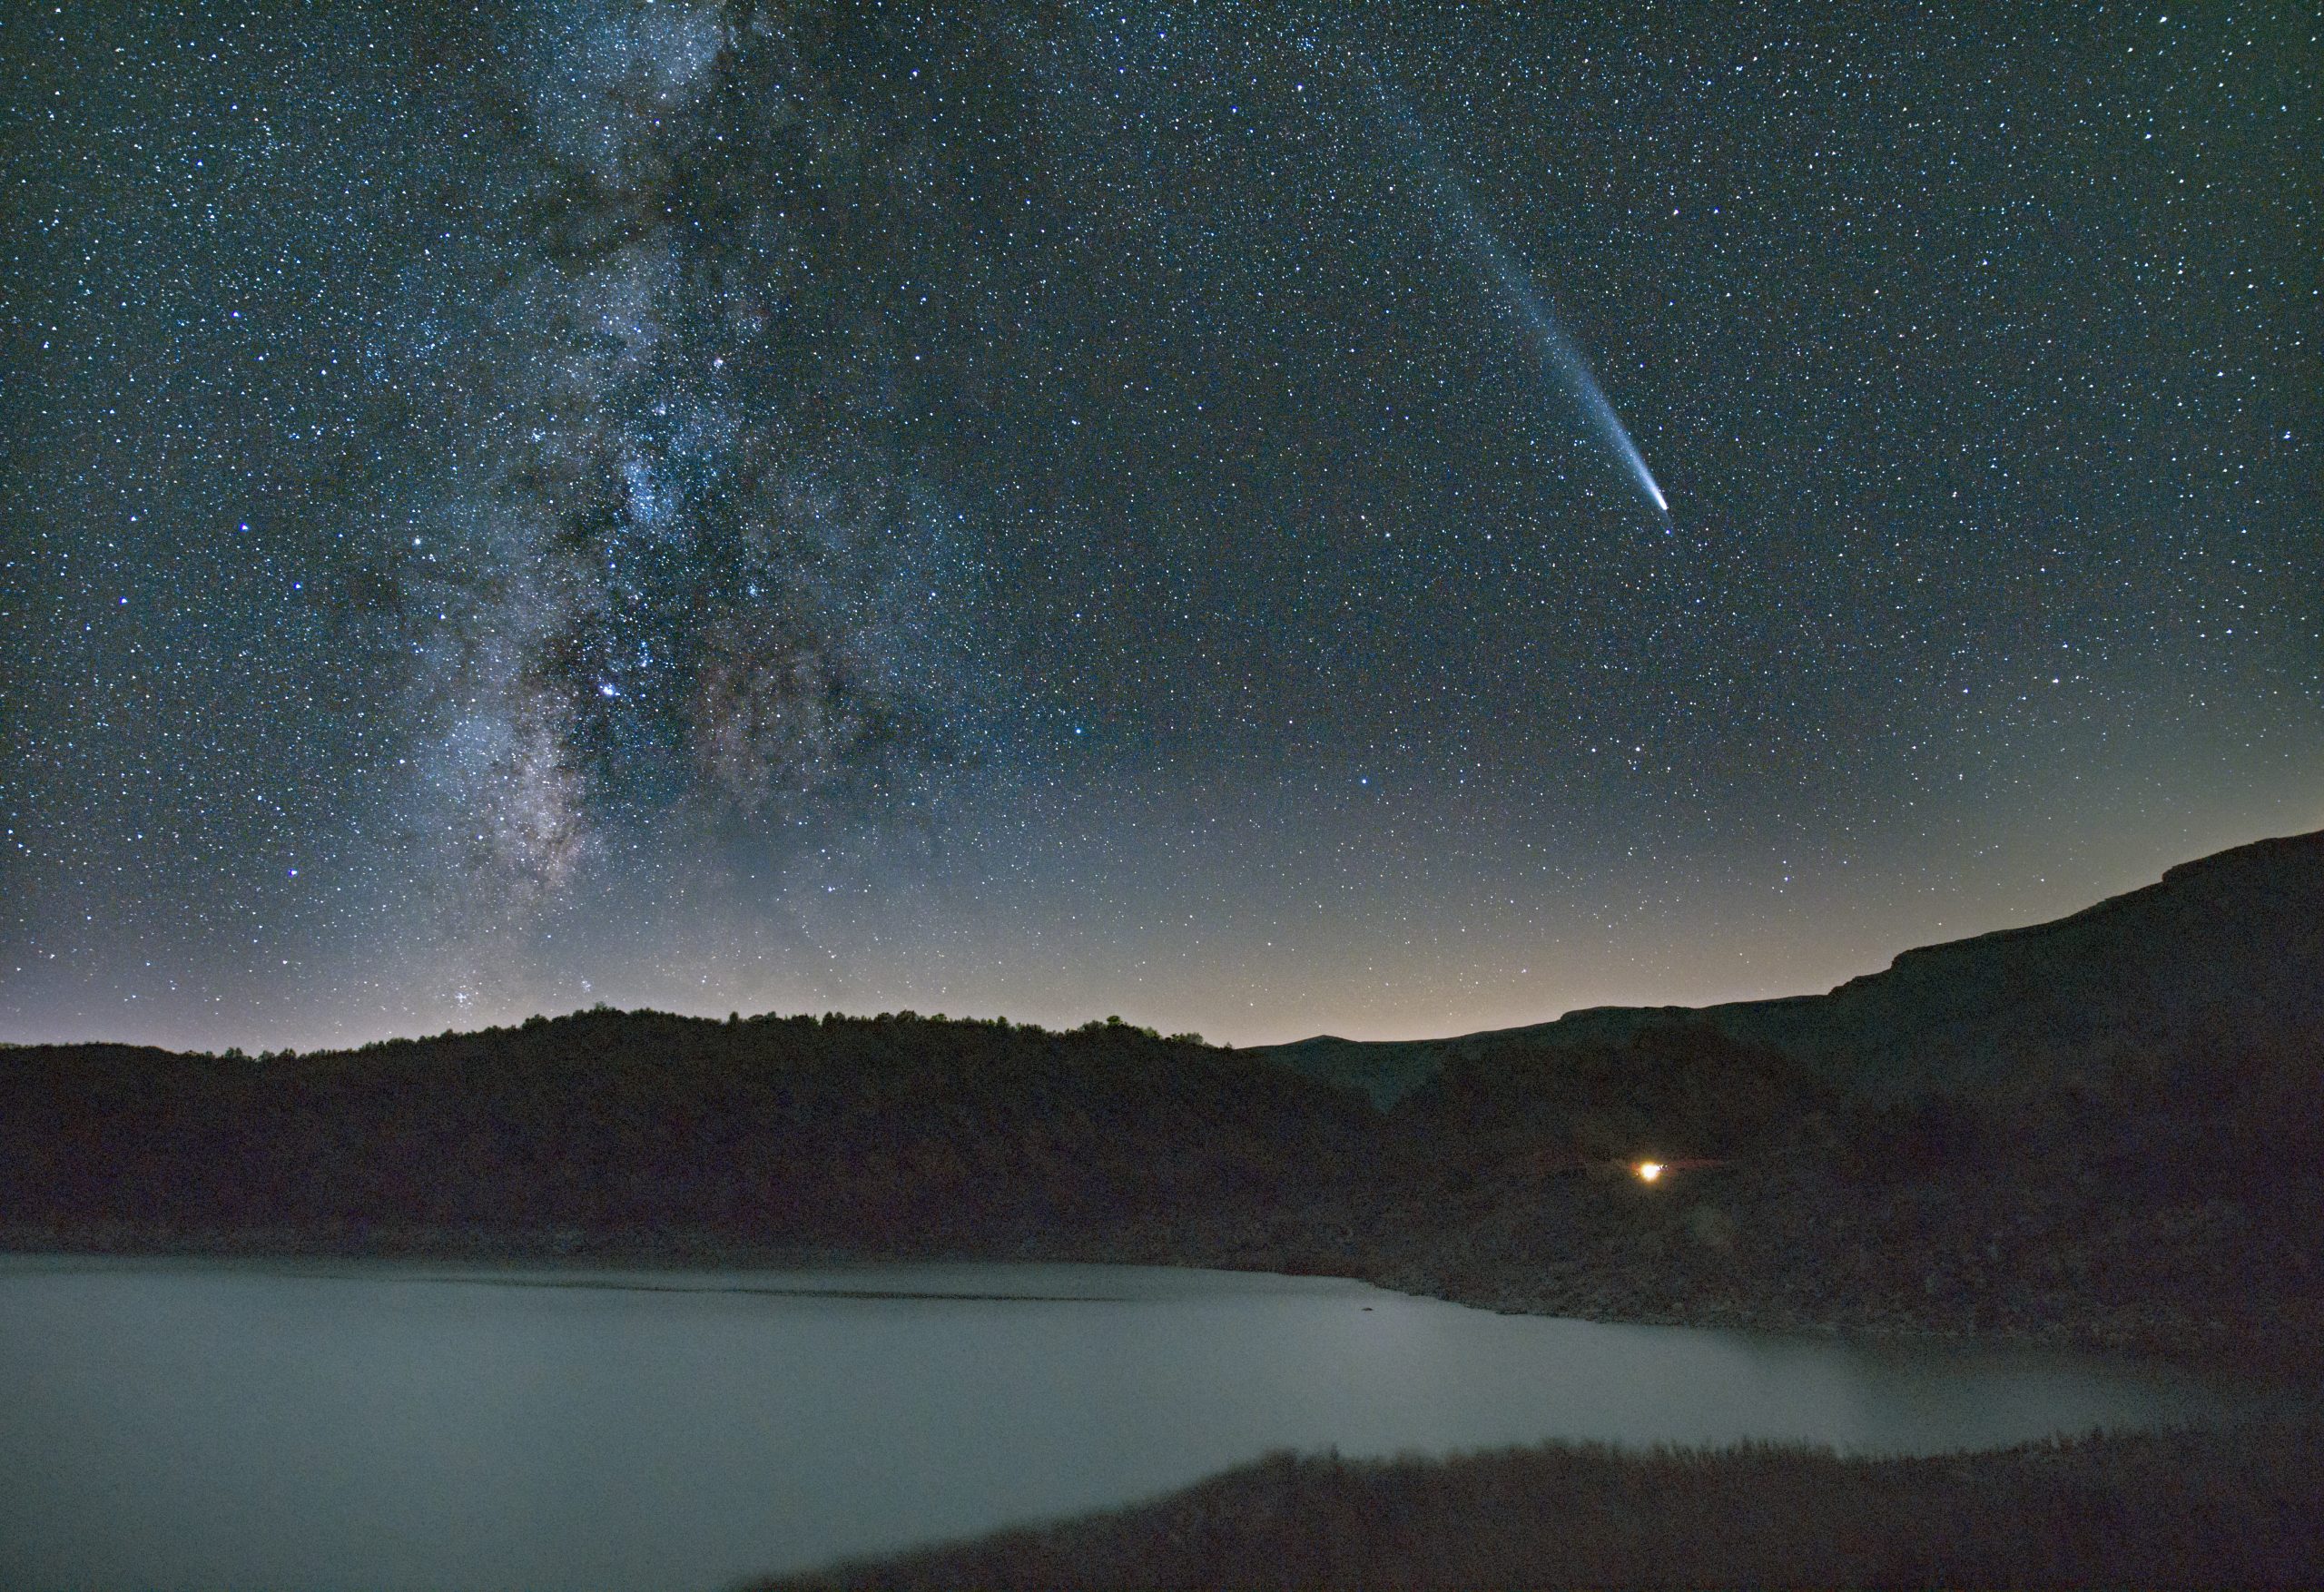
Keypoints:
pixel 342 1425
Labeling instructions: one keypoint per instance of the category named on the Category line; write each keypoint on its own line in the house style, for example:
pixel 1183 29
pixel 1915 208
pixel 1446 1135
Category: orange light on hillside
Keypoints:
pixel 1649 1170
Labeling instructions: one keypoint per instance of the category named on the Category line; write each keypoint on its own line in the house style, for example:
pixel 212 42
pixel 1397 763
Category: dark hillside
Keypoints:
pixel 874 1135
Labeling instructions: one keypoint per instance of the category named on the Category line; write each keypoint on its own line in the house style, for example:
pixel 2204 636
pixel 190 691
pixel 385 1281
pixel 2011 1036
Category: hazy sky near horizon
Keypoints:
pixel 1139 508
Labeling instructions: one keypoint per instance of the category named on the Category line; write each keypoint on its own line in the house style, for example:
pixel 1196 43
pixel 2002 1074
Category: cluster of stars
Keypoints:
pixel 1028 510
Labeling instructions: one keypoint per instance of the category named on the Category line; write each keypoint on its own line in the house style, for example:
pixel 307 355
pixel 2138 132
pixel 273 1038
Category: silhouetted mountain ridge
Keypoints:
pixel 2224 951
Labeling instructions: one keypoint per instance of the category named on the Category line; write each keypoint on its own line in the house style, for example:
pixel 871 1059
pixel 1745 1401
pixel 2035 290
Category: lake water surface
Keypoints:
pixel 352 1425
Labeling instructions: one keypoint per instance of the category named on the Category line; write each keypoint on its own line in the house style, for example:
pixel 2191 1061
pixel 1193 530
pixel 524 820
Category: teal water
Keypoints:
pixel 195 1424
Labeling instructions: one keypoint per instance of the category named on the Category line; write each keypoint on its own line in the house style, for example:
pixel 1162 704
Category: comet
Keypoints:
pixel 1558 352
pixel 1455 218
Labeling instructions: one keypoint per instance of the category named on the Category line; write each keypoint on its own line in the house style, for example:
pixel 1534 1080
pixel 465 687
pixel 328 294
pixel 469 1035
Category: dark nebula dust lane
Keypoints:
pixel 1251 518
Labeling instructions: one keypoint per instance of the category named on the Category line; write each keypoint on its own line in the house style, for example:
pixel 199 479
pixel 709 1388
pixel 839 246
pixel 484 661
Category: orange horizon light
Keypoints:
pixel 1649 1170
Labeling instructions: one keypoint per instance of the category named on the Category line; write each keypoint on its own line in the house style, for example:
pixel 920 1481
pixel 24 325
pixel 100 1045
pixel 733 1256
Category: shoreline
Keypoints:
pixel 572 1248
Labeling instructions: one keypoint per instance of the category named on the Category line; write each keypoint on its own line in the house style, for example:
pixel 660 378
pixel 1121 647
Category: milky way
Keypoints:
pixel 733 505
pixel 687 577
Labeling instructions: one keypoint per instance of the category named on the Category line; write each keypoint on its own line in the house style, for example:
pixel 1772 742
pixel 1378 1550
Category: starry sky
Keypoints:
pixel 1057 510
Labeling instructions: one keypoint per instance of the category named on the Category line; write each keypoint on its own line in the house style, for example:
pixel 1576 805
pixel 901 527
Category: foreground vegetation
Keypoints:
pixel 2242 1509
pixel 609 1132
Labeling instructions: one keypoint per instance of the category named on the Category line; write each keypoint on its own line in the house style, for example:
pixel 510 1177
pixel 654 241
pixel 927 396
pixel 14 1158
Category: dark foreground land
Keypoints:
pixel 2242 1509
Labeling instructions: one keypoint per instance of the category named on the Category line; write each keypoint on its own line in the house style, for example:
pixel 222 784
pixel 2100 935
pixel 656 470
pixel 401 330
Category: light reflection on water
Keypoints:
pixel 372 1425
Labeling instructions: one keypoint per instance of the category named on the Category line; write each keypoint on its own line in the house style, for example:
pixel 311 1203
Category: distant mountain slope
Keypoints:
pixel 2226 952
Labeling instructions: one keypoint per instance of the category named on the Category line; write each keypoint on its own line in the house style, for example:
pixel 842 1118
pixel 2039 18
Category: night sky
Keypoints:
pixel 1059 510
